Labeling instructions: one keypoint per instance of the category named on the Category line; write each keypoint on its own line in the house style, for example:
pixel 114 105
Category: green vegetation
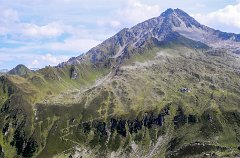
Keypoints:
pixel 136 109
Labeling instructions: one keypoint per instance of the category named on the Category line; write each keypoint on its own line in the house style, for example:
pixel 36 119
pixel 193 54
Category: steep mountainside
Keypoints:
pixel 169 23
pixel 167 87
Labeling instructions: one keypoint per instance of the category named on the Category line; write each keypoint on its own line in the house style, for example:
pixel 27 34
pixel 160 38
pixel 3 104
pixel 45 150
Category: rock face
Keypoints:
pixel 172 21
pixel 1 151
pixel 74 73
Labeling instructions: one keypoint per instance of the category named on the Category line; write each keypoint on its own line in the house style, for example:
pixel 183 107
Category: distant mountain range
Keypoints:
pixel 3 70
pixel 20 70
pixel 167 87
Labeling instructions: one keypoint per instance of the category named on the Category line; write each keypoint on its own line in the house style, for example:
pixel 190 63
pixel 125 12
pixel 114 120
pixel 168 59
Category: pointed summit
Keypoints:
pixel 178 17
pixel 167 12
pixel 180 12
pixel 177 12
pixel 20 70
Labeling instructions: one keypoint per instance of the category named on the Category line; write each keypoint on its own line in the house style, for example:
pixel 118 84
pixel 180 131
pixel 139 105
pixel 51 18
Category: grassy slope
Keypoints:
pixel 23 93
pixel 147 83
pixel 214 93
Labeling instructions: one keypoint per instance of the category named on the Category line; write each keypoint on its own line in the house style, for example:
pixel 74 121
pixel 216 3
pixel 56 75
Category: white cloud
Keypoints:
pixel 3 30
pixel 32 60
pixel 135 11
pixel 49 58
pixel 35 63
pixel 10 23
pixel 8 15
pixel 50 30
pixel 40 61
pixel 115 23
pixel 34 56
pixel 53 60
pixel 200 5
pixel 227 18
pixel 72 44
pixel 5 57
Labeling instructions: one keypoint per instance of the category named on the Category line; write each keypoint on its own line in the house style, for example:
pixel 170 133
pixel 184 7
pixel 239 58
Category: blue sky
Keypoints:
pixel 46 32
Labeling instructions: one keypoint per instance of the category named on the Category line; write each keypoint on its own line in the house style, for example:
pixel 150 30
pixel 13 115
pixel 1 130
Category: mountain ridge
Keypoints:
pixel 168 21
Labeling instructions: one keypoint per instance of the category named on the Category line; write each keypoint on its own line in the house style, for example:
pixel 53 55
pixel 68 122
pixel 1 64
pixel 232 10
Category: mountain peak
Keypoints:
pixel 168 12
pixel 178 17
pixel 20 70
pixel 170 25
pixel 180 12
pixel 177 11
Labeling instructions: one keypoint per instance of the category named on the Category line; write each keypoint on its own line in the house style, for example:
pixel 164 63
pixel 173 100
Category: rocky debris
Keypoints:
pixel 192 119
pixel 209 117
pixel 74 73
pixel 5 129
pixel 184 90
pixel 86 127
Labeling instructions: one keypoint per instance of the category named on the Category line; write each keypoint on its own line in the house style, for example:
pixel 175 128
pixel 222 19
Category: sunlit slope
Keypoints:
pixel 150 91
pixel 139 109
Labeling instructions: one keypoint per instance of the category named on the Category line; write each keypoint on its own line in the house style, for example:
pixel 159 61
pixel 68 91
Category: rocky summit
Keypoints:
pixel 167 87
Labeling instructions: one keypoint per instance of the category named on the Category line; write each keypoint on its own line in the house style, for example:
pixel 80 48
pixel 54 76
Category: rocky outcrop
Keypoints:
pixel 1 151
pixel 180 119
pixel 122 126
pixel 74 73
pixel 25 147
